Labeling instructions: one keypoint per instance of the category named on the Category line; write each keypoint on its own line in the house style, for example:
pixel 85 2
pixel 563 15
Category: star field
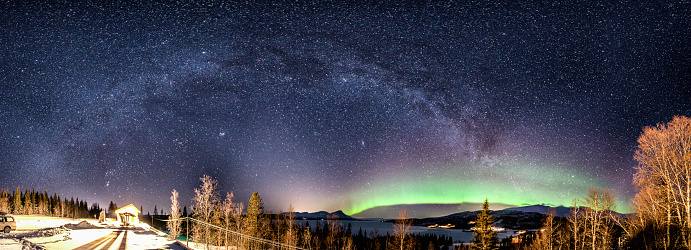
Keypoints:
pixel 336 105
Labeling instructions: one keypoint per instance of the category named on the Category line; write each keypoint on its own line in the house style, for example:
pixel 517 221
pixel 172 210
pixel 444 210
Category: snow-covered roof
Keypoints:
pixel 128 209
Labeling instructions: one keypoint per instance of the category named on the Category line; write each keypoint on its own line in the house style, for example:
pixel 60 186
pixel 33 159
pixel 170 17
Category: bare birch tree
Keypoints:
pixel 291 237
pixel 332 235
pixel 591 220
pixel 547 238
pixel 174 224
pixel 203 204
pixel 237 217
pixel 663 177
pixel 600 203
pixel 577 225
pixel 227 211
pixel 401 229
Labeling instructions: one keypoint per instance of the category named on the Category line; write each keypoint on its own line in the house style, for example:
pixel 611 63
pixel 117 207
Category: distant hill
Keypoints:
pixel 509 219
pixel 561 211
pixel 516 218
pixel 528 217
pixel 321 215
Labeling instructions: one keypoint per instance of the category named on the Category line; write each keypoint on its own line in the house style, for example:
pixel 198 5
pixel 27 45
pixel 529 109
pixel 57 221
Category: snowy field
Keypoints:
pixel 41 232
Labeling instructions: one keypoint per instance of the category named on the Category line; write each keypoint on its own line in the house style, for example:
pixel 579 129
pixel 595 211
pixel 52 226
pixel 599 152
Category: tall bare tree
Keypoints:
pixel 599 203
pixel 591 220
pixel 236 213
pixel 203 204
pixel 332 239
pixel 663 178
pixel 174 224
pixel 401 229
pixel 548 237
pixel 226 211
pixel 291 237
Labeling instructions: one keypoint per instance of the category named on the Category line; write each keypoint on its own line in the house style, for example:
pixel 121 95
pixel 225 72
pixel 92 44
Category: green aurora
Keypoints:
pixel 515 184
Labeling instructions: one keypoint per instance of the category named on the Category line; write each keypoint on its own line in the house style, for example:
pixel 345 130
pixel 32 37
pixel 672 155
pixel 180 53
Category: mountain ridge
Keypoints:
pixel 322 215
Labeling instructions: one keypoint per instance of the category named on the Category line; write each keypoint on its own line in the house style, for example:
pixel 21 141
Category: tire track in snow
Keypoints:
pixel 108 240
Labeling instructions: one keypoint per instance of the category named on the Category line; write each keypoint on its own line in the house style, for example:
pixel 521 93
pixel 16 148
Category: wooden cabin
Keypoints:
pixel 128 215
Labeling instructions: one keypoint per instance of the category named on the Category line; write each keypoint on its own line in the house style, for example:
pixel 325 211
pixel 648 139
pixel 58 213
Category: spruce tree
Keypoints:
pixel 485 238
pixel 255 209
pixel 56 205
pixel 77 208
pixel 18 201
pixel 72 208
pixel 28 202
pixel 111 209
pixel 5 201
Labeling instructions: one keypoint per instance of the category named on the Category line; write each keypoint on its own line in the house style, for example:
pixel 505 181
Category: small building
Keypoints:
pixel 128 215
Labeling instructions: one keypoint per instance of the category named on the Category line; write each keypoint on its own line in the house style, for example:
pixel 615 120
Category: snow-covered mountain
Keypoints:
pixel 322 215
pixel 560 211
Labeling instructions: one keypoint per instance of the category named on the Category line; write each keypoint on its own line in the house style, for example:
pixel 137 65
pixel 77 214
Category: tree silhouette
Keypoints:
pixel 485 238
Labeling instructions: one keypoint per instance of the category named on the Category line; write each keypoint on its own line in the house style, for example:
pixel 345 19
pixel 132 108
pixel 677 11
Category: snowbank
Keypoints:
pixel 81 225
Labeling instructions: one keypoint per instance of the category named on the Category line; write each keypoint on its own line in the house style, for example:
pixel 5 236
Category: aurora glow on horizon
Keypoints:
pixel 522 186
pixel 336 106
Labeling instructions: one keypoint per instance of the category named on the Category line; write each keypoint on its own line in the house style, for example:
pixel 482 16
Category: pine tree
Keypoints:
pixel 255 209
pixel 485 238
pixel 46 203
pixel 76 208
pixel 5 201
pixel 72 208
pixel 111 209
pixel 18 201
pixel 65 207
pixel 56 205
pixel 28 204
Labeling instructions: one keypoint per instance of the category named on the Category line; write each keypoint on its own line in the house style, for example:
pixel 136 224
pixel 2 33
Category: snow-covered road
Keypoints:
pixel 120 238
pixel 60 233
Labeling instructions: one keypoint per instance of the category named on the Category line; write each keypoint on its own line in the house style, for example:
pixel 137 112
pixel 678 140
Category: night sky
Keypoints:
pixel 336 106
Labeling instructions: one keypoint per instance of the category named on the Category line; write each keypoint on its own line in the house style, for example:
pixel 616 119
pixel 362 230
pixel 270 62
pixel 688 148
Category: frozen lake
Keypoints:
pixel 383 227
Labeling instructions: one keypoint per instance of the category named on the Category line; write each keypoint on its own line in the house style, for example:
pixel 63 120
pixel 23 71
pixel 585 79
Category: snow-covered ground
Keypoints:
pixel 41 232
